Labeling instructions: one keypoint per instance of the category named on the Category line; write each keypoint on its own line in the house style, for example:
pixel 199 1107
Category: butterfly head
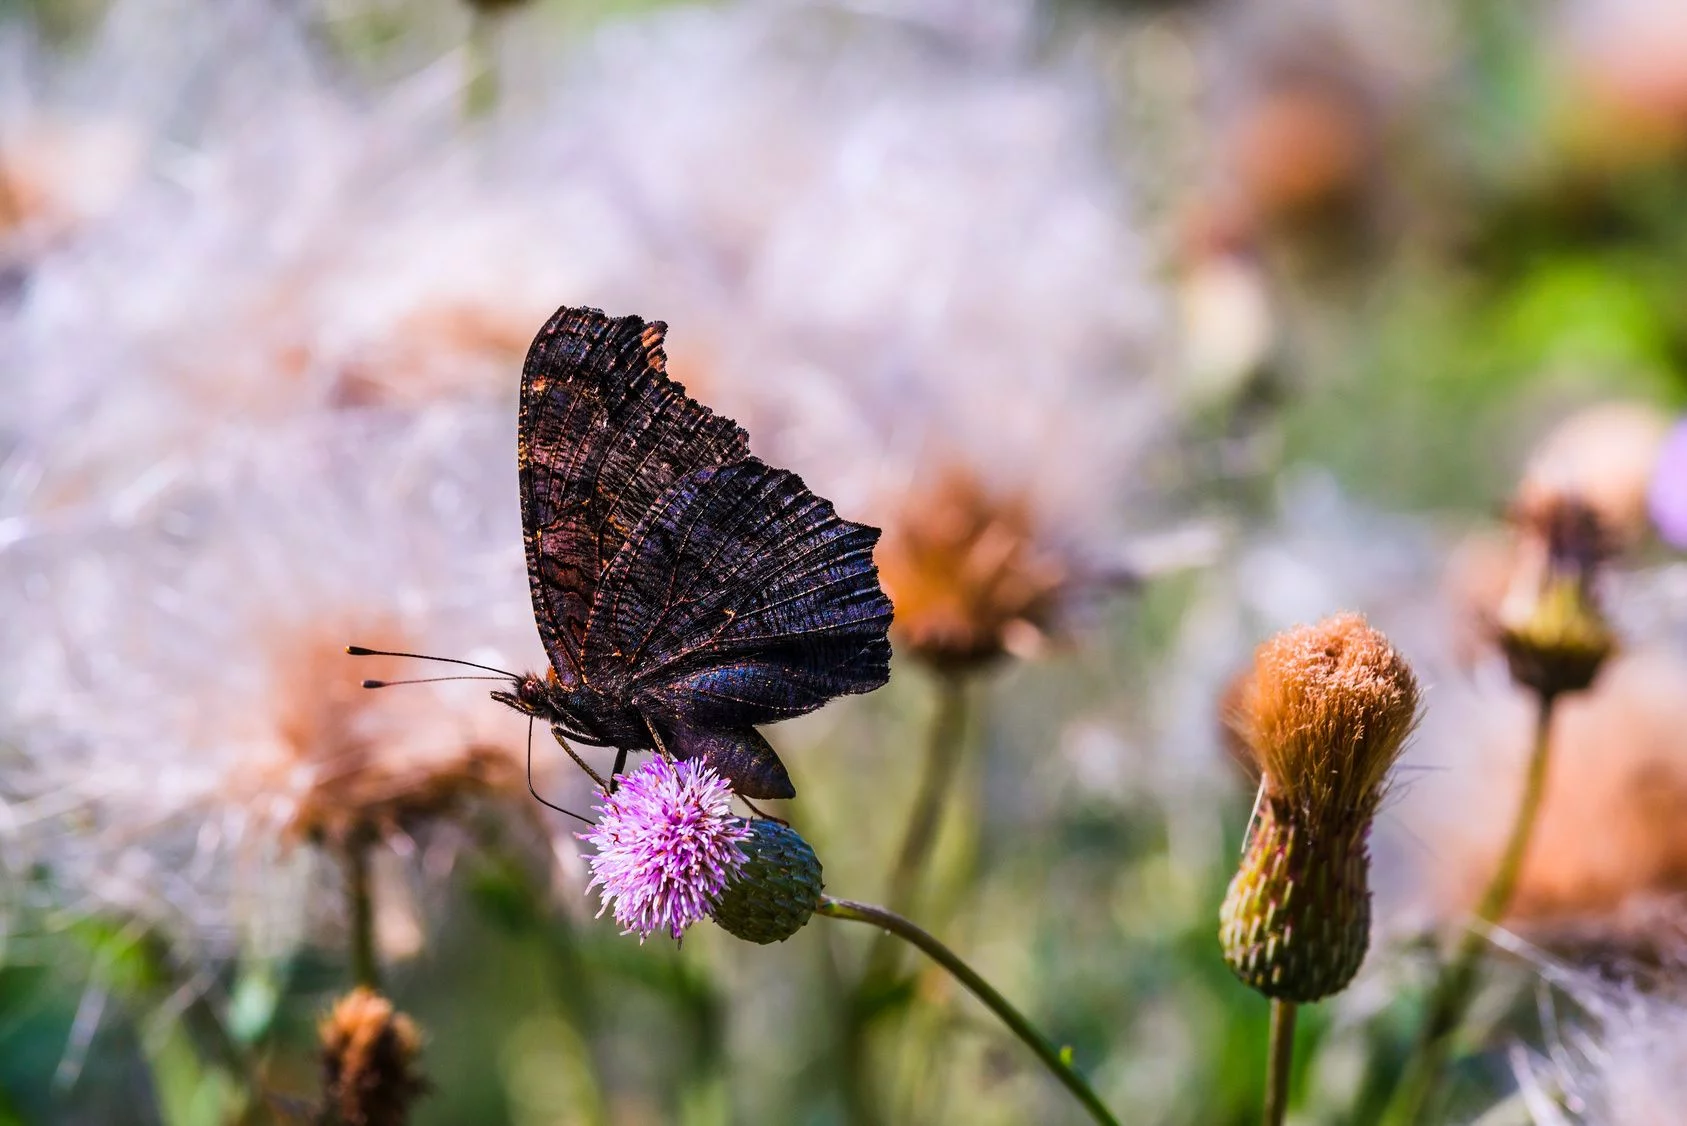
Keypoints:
pixel 548 697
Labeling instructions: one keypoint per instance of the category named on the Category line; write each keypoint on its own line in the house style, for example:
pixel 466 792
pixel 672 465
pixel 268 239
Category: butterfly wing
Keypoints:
pixel 603 434
pixel 741 598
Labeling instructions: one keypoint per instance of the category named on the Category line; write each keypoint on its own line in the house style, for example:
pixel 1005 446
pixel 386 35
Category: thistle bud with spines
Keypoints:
pixel 1323 714
pixel 774 894
pixel 1550 625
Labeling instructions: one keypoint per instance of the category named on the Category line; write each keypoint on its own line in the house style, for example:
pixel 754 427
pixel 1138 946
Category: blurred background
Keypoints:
pixel 1143 329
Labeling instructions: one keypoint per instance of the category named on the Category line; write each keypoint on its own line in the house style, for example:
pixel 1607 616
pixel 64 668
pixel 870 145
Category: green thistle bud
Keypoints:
pixel 1297 919
pixel 1323 714
pixel 1558 642
pixel 1550 627
pixel 776 890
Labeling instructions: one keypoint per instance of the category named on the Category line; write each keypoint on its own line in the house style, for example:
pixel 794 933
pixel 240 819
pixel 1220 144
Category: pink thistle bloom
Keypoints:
pixel 667 845
pixel 1669 488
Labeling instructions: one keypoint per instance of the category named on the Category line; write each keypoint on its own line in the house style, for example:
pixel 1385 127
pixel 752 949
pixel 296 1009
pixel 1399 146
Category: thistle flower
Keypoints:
pixel 369 1073
pixel 1324 715
pixel 1667 495
pixel 667 845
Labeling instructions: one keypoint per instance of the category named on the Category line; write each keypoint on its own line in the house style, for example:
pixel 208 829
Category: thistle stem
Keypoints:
pixel 481 86
pixel 360 910
pixel 1056 1060
pixel 1282 1060
pixel 944 741
pixel 1456 984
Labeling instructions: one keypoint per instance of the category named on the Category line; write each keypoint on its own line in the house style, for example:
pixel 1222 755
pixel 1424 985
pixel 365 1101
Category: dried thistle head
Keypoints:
pixel 352 764
pixel 369 1072
pixel 969 579
pixel 1323 714
pixel 1302 147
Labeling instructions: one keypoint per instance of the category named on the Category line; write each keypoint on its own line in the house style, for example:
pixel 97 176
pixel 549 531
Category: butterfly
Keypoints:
pixel 685 591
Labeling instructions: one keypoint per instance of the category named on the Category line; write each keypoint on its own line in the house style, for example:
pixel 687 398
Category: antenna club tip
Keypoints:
pixel 359 651
pixel 374 684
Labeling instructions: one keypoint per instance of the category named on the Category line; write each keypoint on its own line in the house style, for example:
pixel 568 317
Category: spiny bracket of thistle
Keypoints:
pixel 1550 625
pixel 1323 715
pixel 774 894
pixel 369 1073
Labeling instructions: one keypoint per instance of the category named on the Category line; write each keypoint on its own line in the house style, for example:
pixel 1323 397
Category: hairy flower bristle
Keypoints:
pixel 667 845
pixel 369 1068
pixel 1324 715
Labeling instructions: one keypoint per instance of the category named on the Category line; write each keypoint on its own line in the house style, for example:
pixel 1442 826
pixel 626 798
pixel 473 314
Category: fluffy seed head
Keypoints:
pixel 369 1061
pixel 667 845
pixel 1324 714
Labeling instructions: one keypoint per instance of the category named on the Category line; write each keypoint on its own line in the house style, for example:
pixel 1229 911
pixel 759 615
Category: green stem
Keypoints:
pixel 1052 1058
pixel 1455 986
pixel 1282 1060
pixel 944 741
pixel 360 908
pixel 481 87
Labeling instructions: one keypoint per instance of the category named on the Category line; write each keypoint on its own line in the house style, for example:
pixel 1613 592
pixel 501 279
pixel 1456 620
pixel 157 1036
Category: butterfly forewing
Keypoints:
pixel 741 598
pixel 604 433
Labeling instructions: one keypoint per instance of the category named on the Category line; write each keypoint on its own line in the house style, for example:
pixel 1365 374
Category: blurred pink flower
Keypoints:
pixel 1668 494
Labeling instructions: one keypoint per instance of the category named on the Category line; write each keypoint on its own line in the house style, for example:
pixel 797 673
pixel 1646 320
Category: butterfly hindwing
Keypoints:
pixel 741 598
pixel 604 433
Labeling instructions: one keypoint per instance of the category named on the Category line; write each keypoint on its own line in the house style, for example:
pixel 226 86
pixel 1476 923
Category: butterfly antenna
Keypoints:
pixel 535 793
pixel 423 680
pixel 360 651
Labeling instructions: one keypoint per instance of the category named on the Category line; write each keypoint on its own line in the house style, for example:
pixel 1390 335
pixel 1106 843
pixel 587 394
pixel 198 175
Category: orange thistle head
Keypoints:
pixel 369 1050
pixel 351 764
pixel 969 579
pixel 1324 715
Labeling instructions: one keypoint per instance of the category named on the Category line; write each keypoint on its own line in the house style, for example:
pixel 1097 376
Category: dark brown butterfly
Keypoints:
pixel 684 590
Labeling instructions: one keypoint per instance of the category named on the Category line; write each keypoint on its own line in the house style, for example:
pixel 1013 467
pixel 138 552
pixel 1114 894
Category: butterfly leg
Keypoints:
pixel 762 814
pixel 620 767
pixel 558 734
